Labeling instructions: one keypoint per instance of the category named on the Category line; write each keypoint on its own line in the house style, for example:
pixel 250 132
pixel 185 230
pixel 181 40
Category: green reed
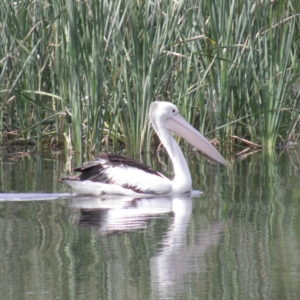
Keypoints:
pixel 90 69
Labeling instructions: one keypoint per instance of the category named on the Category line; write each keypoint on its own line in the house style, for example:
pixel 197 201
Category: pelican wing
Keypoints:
pixel 125 172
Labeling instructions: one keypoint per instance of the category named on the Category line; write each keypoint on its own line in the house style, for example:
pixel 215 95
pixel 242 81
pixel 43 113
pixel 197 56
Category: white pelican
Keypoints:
pixel 116 174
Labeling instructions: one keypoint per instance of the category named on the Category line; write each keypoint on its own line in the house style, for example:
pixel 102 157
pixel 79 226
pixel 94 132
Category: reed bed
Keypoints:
pixel 84 73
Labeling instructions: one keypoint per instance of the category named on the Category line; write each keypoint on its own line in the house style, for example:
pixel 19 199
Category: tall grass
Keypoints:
pixel 90 69
pixel 254 69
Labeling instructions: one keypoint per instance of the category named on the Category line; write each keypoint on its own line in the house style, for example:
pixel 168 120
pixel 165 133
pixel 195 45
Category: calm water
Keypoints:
pixel 240 239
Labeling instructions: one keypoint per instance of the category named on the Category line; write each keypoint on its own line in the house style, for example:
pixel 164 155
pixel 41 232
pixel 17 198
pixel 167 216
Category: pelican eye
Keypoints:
pixel 173 110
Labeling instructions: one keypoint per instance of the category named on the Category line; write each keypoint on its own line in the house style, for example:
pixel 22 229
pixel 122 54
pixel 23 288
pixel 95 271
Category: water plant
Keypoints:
pixel 88 70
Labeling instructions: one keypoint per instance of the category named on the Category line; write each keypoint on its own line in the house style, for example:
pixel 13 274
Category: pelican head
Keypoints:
pixel 165 115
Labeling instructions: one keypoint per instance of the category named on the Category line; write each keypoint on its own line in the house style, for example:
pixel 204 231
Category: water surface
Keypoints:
pixel 240 239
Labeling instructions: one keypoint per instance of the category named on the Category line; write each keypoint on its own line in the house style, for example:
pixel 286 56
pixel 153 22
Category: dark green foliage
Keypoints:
pixel 93 68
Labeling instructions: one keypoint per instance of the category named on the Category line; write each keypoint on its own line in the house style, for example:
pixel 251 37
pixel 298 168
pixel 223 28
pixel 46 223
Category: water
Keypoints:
pixel 240 239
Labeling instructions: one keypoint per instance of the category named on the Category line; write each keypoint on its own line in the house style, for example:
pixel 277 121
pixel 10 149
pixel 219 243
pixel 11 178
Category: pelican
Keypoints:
pixel 120 175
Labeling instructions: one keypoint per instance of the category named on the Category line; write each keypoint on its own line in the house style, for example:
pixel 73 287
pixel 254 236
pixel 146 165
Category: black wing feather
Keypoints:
pixel 95 170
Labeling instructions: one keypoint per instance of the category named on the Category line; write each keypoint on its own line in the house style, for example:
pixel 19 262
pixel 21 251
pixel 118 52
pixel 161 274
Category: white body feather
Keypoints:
pixel 123 176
